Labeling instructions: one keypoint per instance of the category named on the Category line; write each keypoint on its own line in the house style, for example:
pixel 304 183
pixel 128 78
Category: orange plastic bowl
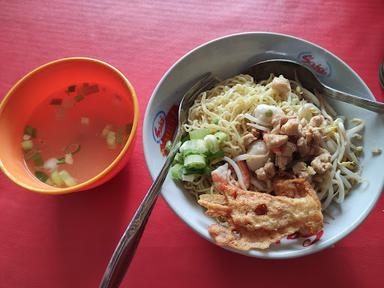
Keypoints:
pixel 31 90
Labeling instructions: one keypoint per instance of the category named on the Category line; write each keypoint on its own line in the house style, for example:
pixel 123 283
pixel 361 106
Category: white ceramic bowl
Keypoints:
pixel 229 56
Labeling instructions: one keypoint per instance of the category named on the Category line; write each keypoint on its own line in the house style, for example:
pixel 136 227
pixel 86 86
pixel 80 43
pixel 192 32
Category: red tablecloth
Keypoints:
pixel 66 241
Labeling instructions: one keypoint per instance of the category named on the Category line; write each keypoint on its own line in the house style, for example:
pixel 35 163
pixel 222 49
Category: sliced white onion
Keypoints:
pixel 255 120
pixel 241 157
pixel 257 126
pixel 259 185
pixel 237 171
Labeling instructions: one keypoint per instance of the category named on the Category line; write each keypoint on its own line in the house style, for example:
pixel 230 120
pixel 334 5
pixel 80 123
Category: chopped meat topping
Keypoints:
pixel 322 163
pixel 266 172
pixel 274 141
pixel 256 220
pixel 248 139
pixel 281 86
pixel 291 127
pixel 301 170
pixel 316 121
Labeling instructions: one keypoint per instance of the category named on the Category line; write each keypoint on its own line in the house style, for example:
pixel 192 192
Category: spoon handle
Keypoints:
pixel 125 250
pixel 354 100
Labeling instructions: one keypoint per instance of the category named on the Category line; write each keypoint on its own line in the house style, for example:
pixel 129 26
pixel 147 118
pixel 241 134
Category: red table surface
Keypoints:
pixel 66 241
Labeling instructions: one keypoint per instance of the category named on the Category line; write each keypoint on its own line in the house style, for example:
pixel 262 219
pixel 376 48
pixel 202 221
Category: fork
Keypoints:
pixel 125 250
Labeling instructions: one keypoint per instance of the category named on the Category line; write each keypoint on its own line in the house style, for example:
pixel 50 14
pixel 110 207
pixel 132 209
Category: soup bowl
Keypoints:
pixel 33 89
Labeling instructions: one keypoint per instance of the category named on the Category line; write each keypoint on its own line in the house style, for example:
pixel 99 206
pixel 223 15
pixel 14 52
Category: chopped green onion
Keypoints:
pixel 29 130
pixel 168 146
pixel 90 89
pixel 49 182
pixel 128 128
pixel 195 171
pixel 105 131
pixel 215 156
pixel 176 171
pixel 27 145
pixel 79 97
pixel 199 133
pixel 41 176
pixel 119 136
pixel 37 159
pixel 215 121
pixel 111 139
pixel 56 179
pixel 61 160
pixel 72 148
pixel 211 143
pixel 56 101
pixel 67 178
pixel 185 138
pixel 221 136
pixel 29 154
pixel 71 88
pixel 195 161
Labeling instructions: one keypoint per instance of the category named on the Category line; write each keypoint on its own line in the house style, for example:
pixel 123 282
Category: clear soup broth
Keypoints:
pixel 76 133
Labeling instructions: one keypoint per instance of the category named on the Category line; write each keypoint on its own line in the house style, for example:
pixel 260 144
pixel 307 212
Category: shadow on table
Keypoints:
pixel 89 226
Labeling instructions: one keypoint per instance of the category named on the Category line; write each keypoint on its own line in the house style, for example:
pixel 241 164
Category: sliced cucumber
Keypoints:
pixel 199 133
pixel 211 143
pixel 27 145
pixel 195 161
pixel 189 178
pixel 193 147
pixel 176 171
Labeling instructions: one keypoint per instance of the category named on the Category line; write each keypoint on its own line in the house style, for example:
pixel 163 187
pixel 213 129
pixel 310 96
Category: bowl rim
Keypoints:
pixel 88 183
pixel 287 254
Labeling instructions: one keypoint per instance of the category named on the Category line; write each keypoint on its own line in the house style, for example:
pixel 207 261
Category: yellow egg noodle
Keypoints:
pixel 230 107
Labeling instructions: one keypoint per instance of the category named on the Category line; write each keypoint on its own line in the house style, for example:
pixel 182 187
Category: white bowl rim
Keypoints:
pixel 288 254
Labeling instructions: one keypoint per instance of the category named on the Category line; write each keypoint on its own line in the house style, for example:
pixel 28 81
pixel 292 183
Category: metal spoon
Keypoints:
pixel 126 248
pixel 291 69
